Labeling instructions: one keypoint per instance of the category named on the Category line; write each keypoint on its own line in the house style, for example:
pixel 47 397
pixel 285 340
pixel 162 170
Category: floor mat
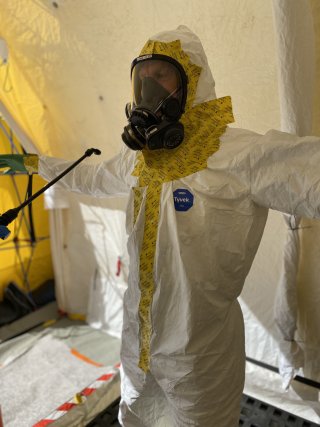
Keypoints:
pixel 41 379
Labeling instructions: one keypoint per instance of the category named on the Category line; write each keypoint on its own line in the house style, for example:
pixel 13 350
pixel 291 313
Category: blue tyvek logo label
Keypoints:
pixel 183 199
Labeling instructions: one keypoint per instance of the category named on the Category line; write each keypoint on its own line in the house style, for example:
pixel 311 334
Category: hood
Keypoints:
pixel 185 46
pixel 192 46
pixel 205 118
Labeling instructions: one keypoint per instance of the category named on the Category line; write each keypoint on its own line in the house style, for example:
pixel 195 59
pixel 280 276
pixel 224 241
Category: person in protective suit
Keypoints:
pixel 199 198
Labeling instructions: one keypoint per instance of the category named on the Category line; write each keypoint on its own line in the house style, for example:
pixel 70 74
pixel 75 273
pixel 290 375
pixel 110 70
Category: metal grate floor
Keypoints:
pixel 254 413
pixel 107 418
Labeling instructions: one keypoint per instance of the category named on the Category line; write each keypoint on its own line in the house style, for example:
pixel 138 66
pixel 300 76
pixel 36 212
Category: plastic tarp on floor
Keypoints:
pixel 68 372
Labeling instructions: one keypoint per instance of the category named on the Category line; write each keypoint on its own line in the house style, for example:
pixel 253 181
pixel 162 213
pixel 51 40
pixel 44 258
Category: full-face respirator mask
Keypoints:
pixel 159 86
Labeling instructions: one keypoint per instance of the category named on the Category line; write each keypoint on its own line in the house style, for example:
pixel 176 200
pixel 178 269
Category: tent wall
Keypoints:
pixel 308 279
pixel 297 47
pixel 69 74
pixel 15 259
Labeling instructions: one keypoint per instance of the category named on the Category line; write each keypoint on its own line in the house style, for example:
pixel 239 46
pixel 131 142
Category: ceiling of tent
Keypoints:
pixel 55 83
pixel 66 80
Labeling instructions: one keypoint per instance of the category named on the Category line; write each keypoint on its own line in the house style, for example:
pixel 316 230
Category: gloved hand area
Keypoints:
pixel 19 163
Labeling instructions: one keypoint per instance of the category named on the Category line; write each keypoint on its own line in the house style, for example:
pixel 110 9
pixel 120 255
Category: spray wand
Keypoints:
pixel 11 214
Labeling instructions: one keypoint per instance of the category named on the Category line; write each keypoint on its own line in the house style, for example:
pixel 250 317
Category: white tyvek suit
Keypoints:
pixel 210 226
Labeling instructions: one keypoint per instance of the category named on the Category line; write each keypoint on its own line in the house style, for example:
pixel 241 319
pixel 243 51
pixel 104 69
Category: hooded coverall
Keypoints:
pixel 198 225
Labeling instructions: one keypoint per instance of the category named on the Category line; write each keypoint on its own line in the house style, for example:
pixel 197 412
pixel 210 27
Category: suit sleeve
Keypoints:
pixel 109 178
pixel 285 173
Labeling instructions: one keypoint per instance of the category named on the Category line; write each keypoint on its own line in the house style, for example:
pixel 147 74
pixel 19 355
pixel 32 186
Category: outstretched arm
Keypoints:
pixel 285 173
pixel 109 178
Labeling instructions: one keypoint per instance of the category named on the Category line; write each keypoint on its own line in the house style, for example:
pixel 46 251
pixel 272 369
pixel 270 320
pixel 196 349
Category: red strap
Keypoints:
pixel 43 423
pixel 118 266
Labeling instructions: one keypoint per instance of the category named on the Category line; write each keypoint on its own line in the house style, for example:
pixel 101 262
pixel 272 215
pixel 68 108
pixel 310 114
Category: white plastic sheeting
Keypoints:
pixel 286 305
pixel 296 64
pixel 266 385
pixel 295 30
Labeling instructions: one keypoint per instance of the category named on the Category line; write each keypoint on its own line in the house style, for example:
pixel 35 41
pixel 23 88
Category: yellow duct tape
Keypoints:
pixel 146 269
pixel 30 162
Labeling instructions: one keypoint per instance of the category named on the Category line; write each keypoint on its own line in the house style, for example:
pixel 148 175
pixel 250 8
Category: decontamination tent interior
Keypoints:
pixel 64 82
